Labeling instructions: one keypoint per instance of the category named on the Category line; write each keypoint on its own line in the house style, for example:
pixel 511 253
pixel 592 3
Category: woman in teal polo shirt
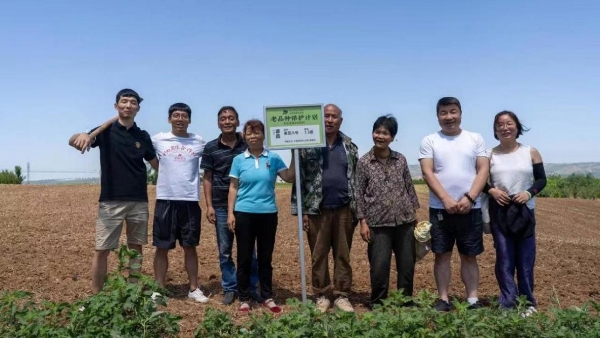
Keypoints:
pixel 253 212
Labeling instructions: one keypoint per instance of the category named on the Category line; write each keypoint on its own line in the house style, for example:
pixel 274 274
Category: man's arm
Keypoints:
pixel 483 170
pixel 436 187
pixel 83 141
pixel 207 187
pixel 154 163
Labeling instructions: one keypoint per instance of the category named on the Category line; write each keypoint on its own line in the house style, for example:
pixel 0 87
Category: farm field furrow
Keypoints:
pixel 47 238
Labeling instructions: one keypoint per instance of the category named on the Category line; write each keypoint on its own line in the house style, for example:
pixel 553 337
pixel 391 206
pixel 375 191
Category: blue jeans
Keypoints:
pixel 225 244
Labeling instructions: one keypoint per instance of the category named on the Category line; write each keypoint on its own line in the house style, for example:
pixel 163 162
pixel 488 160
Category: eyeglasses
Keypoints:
pixel 180 117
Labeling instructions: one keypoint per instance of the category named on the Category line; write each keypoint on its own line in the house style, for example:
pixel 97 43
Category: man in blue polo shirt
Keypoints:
pixel 216 163
pixel 123 186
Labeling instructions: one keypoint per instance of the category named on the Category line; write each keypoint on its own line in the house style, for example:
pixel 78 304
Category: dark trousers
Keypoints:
pixel 513 253
pixel 385 240
pixel 332 230
pixel 251 228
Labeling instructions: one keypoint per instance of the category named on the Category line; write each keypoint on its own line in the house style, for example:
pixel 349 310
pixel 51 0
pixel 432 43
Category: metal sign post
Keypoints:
pixel 294 127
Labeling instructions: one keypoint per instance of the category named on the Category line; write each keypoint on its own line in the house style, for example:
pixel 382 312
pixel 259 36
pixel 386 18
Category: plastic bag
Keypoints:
pixel 422 239
pixel 485 213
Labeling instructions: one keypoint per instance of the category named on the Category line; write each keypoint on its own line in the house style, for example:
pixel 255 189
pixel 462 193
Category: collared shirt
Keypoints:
pixel 311 176
pixel 217 158
pixel 122 154
pixel 335 180
pixel 257 176
pixel 385 193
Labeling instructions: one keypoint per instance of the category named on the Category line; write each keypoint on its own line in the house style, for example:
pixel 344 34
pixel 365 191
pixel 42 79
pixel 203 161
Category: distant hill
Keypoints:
pixel 560 169
pixel 91 180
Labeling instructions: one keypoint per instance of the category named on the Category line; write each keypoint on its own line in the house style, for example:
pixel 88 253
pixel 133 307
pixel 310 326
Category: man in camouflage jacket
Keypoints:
pixel 329 209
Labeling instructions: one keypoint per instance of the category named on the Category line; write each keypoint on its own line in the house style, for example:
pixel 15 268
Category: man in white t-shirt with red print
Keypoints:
pixel 455 167
pixel 177 212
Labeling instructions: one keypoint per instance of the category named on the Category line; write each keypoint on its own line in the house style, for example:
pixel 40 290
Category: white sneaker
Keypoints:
pixel 530 311
pixel 343 304
pixel 323 304
pixel 154 296
pixel 198 296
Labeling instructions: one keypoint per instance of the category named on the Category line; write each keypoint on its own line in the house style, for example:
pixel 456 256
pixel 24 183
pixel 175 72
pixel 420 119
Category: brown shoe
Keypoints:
pixel 343 304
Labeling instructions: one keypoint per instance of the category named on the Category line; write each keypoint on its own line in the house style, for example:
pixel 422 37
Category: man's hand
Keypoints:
pixel 365 232
pixel 210 215
pixel 521 198
pixel 464 206
pixel 231 222
pixel 305 222
pixel 82 142
pixel 450 205
pixel 500 196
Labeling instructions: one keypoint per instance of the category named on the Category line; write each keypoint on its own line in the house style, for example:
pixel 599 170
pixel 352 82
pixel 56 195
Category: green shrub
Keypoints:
pixel 121 309
pixel 395 319
pixel 574 185
pixel 11 177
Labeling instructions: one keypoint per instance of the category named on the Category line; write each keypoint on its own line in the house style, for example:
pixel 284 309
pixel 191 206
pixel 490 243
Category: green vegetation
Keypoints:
pixel 393 319
pixel 574 185
pixel 12 177
pixel 122 309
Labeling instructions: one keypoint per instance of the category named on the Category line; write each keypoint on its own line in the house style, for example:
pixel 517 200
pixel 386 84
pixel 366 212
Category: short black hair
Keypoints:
pixel 387 121
pixel 181 107
pixel 520 127
pixel 128 93
pixel 224 108
pixel 446 101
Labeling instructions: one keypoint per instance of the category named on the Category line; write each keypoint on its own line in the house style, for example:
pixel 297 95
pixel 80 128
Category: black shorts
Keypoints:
pixel 465 230
pixel 176 220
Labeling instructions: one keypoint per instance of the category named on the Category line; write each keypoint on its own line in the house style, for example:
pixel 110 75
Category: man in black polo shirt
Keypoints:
pixel 123 190
pixel 216 163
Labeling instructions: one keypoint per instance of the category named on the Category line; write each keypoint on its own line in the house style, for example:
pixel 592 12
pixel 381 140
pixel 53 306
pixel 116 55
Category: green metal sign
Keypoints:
pixel 297 126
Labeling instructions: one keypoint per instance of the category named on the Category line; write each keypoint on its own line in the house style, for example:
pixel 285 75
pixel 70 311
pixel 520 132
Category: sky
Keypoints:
pixel 62 62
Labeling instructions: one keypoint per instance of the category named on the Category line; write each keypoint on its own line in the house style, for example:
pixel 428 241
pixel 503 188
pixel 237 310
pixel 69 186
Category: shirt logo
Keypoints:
pixel 138 145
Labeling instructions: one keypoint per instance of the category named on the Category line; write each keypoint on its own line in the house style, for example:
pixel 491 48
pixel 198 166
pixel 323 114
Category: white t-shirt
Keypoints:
pixel 179 163
pixel 454 162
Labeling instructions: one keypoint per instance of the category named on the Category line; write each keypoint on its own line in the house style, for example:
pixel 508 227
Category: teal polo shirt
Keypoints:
pixel 257 176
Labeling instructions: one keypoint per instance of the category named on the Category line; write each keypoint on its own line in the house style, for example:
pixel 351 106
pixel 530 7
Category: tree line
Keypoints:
pixel 12 177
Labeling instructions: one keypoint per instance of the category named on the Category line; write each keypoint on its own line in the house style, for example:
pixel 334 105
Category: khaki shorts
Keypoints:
pixel 111 215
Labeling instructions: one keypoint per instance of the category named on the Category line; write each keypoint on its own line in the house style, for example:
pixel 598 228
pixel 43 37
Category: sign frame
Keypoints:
pixel 320 142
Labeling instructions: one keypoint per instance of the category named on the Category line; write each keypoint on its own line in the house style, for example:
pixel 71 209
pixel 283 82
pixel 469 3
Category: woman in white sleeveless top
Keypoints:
pixel 516 176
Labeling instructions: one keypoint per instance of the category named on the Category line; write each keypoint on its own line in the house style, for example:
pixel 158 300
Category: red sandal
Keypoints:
pixel 244 307
pixel 270 304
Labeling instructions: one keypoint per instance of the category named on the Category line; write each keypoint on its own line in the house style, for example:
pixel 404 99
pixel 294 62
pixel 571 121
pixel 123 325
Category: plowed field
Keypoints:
pixel 47 240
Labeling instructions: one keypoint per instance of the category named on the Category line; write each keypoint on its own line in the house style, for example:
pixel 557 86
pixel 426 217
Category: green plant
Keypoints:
pixel 12 177
pixel 121 309
pixel 397 316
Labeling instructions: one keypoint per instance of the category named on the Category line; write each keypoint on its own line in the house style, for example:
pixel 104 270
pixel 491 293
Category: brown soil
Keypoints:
pixel 47 236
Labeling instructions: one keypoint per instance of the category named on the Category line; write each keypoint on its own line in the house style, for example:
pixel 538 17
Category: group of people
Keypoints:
pixel 339 191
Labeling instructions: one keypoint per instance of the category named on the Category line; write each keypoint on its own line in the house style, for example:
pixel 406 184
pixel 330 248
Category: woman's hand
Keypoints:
pixel 522 197
pixel 231 222
pixel 500 196
pixel 365 232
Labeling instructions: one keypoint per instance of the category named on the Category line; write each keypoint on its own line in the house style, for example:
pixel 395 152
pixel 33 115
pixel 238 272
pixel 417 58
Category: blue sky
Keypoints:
pixel 62 62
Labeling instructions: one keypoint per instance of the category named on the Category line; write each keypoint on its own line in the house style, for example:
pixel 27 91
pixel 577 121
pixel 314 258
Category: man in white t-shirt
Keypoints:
pixel 455 167
pixel 177 212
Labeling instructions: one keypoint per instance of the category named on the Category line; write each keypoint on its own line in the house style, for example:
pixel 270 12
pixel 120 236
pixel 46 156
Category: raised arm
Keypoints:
pixel 289 174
